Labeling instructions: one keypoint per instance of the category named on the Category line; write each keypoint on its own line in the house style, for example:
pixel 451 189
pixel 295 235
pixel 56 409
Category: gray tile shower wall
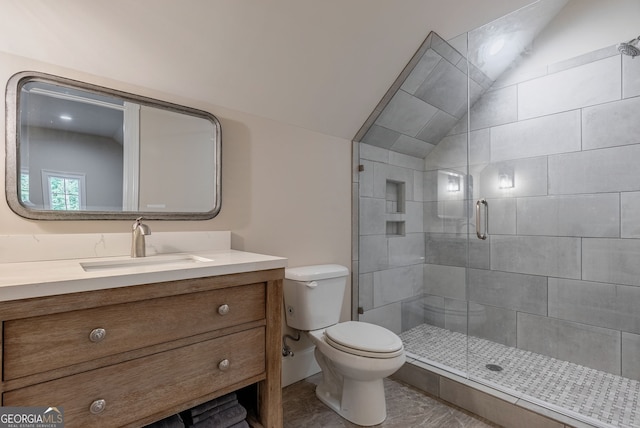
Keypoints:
pixel 589 84
pixel 630 353
pixel 559 273
pixel 427 100
pixel 562 275
pixel 392 245
pixel 584 344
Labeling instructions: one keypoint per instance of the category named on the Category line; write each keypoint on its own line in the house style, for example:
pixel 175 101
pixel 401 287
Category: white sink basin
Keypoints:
pixel 181 259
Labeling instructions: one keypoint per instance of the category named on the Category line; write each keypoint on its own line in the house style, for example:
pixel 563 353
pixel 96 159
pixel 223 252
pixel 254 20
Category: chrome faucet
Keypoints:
pixel 140 230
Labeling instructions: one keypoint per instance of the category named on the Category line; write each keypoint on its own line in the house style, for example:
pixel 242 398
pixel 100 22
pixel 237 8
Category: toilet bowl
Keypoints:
pixel 352 383
pixel 354 356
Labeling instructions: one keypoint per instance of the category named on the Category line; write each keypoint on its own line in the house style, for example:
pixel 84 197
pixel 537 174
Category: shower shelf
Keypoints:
pixel 395 228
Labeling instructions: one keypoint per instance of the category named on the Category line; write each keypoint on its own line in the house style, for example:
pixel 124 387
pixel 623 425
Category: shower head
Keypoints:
pixel 629 48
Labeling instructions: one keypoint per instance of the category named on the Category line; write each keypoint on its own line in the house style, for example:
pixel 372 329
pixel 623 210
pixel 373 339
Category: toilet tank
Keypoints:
pixel 313 295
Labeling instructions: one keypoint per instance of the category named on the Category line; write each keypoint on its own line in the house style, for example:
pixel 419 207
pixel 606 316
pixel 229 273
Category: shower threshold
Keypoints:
pixel 583 394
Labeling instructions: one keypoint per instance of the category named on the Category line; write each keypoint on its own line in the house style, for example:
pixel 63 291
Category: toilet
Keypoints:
pixel 354 356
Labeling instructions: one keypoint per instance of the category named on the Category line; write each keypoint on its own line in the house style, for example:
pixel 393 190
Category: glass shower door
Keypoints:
pixel 525 240
pixel 414 193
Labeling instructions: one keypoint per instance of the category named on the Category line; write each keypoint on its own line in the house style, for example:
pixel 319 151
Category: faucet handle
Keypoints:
pixel 143 228
pixel 137 223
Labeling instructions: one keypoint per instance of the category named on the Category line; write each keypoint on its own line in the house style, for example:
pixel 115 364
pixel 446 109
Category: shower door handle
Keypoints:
pixel 479 234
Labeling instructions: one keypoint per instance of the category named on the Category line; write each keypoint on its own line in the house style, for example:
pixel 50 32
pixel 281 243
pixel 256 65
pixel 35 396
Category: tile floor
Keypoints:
pixel 599 398
pixel 407 407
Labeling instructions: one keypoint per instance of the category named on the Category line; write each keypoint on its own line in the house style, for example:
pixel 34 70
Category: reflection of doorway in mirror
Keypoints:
pixel 64 190
pixel 131 156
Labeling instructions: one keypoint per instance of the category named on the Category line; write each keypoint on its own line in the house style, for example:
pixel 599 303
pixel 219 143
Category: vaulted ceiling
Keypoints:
pixel 321 65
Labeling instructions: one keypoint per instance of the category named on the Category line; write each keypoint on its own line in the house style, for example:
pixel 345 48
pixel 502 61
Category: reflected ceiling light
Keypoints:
pixel 454 184
pixel 65 117
pixel 505 179
pixel 496 46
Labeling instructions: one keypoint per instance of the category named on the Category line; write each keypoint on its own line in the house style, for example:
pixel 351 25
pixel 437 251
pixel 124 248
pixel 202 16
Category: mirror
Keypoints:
pixel 79 151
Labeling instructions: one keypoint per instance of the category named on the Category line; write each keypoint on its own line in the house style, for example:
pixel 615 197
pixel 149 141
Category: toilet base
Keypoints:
pixel 362 403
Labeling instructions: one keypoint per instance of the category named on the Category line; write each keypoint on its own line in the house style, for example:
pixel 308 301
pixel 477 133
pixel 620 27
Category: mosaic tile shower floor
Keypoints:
pixel 602 398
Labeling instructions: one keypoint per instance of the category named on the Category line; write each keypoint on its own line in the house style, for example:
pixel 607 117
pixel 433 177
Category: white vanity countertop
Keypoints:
pixel 22 280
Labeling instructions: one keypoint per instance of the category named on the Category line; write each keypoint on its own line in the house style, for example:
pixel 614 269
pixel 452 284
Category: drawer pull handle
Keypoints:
pixel 223 309
pixel 98 406
pixel 224 365
pixel 97 335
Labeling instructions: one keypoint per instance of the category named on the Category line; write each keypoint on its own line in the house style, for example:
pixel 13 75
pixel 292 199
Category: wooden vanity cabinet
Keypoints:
pixel 132 355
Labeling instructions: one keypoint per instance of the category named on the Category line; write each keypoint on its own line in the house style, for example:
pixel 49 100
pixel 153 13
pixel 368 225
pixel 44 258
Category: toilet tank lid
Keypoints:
pixel 315 272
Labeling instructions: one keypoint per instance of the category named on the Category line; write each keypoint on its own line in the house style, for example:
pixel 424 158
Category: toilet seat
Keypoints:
pixel 364 339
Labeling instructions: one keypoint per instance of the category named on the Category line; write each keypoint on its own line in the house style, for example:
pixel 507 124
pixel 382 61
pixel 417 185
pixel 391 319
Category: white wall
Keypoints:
pixel 322 65
pixel 285 190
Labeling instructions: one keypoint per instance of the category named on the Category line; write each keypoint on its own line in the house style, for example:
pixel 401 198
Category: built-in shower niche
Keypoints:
pixel 395 228
pixel 395 200
pixel 395 197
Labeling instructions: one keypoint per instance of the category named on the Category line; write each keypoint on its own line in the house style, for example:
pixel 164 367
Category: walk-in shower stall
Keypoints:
pixel 498 209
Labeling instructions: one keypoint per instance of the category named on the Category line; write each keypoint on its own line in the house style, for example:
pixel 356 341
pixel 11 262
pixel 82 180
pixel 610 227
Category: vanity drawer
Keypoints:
pixel 38 344
pixel 150 385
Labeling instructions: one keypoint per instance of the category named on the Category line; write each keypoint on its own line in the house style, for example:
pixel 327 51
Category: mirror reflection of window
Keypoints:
pixel 65 191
